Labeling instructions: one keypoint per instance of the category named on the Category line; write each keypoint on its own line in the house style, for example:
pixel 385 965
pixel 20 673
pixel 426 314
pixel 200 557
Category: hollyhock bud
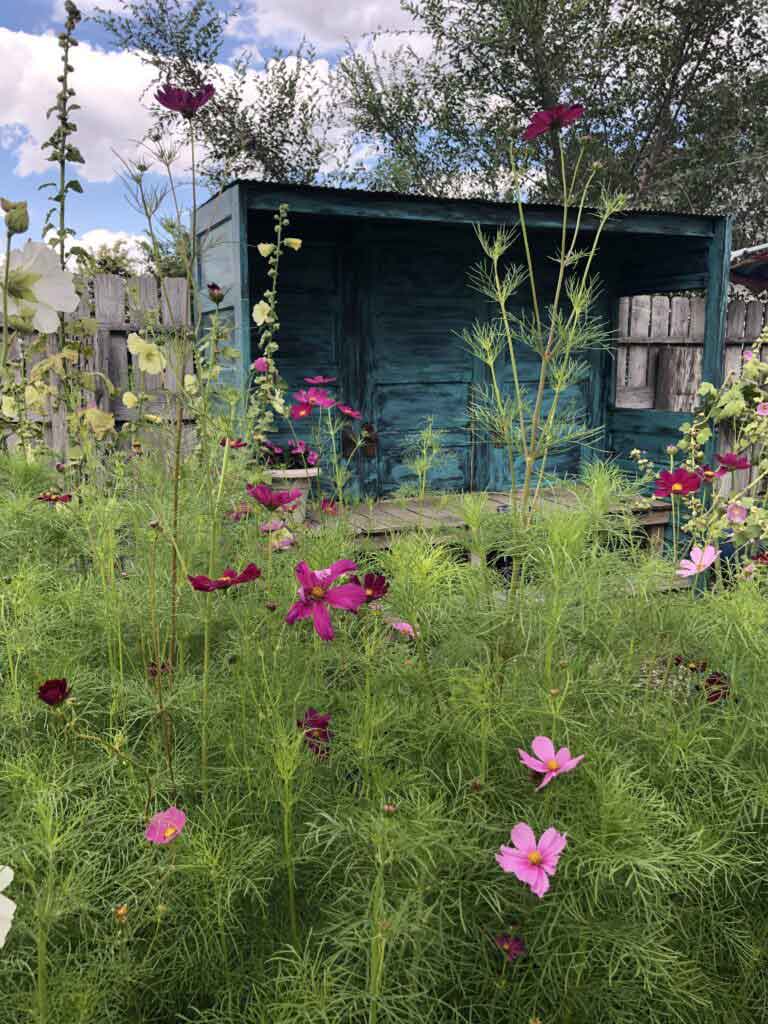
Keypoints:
pixel 215 293
pixel 16 217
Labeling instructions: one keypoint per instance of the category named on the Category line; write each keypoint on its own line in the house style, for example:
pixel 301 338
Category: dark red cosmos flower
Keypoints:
pixel 678 482
pixel 274 500
pixel 53 498
pixel 230 442
pixel 154 670
pixel 228 579
pixel 716 687
pixel 53 692
pixel 328 505
pixel 708 474
pixel 730 460
pixel 375 586
pixel 347 410
pixel 215 293
pixel 511 946
pixel 551 119
pixel 182 101
pixel 317 735
pixel 320 380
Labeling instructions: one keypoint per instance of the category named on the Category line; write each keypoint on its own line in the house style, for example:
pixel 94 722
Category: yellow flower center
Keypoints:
pixel 676 487
pixel 169 832
pixel 368 592
pixel 317 592
pixel 552 765
pixel 535 857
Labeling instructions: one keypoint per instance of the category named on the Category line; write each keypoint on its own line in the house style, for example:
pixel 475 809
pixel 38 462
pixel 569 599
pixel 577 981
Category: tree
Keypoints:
pixel 675 93
pixel 275 125
pixel 108 259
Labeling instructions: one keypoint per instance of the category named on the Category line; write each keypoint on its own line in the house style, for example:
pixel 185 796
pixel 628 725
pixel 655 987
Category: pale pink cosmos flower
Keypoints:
pixel 698 562
pixel 547 762
pixel 762 409
pixel 165 826
pixel 404 627
pixel 736 513
pixel 533 863
pixel 747 355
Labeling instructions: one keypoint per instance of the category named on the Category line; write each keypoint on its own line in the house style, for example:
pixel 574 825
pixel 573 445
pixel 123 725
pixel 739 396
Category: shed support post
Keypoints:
pixel 713 355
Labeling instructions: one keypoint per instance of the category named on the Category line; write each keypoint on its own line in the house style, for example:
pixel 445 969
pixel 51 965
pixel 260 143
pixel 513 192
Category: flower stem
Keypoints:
pixel 288 850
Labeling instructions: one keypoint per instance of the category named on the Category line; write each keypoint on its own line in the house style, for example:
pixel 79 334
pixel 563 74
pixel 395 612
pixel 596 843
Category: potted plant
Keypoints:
pixel 293 466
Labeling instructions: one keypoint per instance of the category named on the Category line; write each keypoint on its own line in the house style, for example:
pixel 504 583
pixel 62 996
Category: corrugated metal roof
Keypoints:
pixel 421 197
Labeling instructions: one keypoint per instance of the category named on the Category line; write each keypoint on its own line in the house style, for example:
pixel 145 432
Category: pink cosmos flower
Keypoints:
pixel 347 410
pixel 316 595
pixel 49 496
pixel 165 826
pixel 530 861
pixel 301 410
pixel 272 526
pixel 547 762
pixel 317 734
pixel 273 500
pixel 232 442
pixel 260 365
pixel 730 460
pixel 314 396
pixel 708 474
pixel 320 380
pixel 282 540
pixel 762 409
pixel 747 355
pixel 698 562
pixel 404 627
pixel 554 117
pixel 183 101
pixel 302 449
pixel 736 513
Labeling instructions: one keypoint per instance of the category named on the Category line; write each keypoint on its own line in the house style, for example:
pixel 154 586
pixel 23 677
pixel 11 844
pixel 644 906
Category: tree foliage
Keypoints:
pixel 674 92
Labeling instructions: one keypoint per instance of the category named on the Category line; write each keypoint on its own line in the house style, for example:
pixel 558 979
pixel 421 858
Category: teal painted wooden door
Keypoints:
pixel 416 366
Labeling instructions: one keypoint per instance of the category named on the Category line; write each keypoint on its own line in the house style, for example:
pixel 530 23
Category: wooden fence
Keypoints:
pixel 660 343
pixel 119 306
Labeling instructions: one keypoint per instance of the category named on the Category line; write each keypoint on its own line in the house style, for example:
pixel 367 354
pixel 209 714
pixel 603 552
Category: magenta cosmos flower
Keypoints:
pixel 231 442
pixel 260 365
pixel 54 692
pixel 316 595
pixel 730 460
pixel 328 505
pixel 347 410
pixel 708 474
pixel 317 734
pixel 511 946
pixel 374 585
pixel 314 396
pixel 319 380
pixel 274 500
pixel 698 561
pixel 182 101
pixel 552 118
pixel 164 826
pixel 547 762
pixel 533 863
pixel 229 578
pixel 678 482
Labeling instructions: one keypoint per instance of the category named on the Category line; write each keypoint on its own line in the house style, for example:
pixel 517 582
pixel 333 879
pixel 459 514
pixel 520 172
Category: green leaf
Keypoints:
pixel 73 154
pixel 73 185
pixel 46 184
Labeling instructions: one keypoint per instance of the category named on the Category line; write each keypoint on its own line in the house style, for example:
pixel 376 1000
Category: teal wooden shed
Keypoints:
pixel 378 295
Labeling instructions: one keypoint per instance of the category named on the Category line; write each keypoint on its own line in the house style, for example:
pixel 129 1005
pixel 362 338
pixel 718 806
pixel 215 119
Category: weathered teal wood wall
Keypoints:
pixel 379 293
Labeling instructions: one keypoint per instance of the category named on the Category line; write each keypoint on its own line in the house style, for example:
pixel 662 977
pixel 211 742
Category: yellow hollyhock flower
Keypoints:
pixel 262 313
pixel 130 401
pixel 293 243
pixel 152 418
pixel 265 249
pixel 191 385
pixel 34 396
pixel 151 359
pixel 100 422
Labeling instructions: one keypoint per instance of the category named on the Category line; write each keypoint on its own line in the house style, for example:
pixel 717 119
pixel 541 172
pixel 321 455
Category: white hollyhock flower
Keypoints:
pixel 38 287
pixel 7 907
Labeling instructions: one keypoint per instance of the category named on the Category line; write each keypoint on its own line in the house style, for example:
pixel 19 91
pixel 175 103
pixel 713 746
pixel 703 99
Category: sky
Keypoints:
pixel 109 83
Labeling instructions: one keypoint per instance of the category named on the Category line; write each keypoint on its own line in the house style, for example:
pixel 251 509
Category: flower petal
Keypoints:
pixel 322 620
pixel 300 610
pixel 348 596
pixel 523 838
pixel 543 748
pixel 336 569
pixel 531 762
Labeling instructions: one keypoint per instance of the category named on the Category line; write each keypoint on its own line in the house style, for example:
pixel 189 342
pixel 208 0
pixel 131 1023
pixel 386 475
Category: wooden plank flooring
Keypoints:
pixel 393 515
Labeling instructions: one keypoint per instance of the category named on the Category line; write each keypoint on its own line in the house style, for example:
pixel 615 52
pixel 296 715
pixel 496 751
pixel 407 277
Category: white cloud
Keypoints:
pixel 96 237
pixel 326 24
pixel 108 87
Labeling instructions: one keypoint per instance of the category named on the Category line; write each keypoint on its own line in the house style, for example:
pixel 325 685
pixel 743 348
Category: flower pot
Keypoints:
pixel 294 479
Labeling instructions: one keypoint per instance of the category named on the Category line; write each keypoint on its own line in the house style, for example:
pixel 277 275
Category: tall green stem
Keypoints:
pixel 289 865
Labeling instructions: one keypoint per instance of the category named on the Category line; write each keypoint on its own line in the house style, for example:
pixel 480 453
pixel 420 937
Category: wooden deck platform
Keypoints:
pixel 377 521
